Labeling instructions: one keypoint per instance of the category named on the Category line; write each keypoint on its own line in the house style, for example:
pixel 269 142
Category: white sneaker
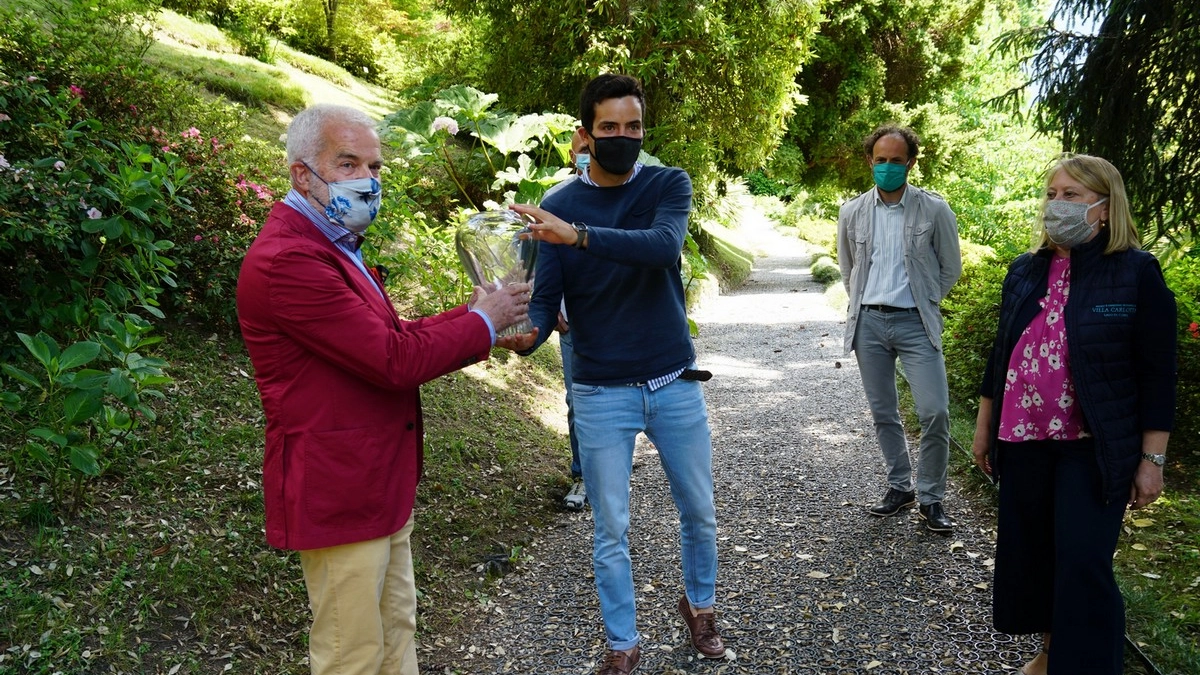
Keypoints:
pixel 576 497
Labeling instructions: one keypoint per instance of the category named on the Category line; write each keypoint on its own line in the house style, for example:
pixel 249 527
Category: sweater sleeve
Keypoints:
pixel 660 243
pixel 1155 349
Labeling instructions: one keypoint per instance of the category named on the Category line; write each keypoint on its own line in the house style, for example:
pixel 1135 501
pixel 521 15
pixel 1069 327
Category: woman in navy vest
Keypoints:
pixel 1075 409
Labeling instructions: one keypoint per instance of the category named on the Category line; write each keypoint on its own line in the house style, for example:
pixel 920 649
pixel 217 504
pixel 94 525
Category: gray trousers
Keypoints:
pixel 879 339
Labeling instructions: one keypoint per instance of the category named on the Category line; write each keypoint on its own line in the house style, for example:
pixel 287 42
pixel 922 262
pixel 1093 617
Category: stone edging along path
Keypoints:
pixel 808 582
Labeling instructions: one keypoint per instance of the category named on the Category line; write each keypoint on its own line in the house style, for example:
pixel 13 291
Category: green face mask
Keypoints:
pixel 889 177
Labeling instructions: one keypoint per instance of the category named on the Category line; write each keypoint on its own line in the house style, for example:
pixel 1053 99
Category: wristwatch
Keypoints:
pixel 1157 460
pixel 581 232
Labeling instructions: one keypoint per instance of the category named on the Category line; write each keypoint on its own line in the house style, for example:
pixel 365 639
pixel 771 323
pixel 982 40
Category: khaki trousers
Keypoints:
pixel 364 603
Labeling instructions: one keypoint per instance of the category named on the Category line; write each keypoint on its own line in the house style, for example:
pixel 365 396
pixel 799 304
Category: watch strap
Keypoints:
pixel 1158 460
pixel 581 234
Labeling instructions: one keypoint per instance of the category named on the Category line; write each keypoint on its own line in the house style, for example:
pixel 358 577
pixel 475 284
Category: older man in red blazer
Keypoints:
pixel 338 372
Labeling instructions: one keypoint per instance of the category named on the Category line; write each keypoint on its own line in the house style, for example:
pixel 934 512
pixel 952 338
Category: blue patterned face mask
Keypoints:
pixel 582 159
pixel 353 204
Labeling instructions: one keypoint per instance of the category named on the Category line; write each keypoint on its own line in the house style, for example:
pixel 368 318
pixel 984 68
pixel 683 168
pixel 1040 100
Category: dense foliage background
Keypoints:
pixel 140 150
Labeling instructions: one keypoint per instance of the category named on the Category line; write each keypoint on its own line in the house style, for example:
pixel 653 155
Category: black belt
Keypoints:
pixel 888 309
pixel 687 375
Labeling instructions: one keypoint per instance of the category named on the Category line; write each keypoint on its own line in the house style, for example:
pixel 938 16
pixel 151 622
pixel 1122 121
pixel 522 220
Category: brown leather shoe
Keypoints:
pixel 620 663
pixel 703 628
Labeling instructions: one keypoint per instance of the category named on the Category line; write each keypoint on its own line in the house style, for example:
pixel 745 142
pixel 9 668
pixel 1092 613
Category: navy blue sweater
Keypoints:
pixel 623 294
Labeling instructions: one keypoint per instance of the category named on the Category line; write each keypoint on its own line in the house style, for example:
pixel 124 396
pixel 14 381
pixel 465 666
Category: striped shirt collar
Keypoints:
pixel 637 168
pixel 345 239
pixel 903 197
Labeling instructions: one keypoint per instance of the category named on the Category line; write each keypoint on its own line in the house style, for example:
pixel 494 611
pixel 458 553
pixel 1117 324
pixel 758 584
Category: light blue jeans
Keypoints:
pixel 879 339
pixel 674 418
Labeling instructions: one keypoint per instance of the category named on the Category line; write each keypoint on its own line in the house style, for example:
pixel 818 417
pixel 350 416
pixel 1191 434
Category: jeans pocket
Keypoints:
pixel 585 390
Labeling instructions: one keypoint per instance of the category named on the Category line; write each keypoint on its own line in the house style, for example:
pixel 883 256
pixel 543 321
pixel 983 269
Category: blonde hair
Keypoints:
pixel 1099 176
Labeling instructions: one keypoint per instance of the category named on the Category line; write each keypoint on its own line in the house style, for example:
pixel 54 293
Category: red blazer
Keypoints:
pixel 338 373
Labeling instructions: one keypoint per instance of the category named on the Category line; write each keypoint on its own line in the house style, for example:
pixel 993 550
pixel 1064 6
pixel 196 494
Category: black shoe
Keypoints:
pixel 893 501
pixel 935 518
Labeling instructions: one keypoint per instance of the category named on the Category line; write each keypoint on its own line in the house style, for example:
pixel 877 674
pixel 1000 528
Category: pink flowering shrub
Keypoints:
pixel 229 206
pixel 109 172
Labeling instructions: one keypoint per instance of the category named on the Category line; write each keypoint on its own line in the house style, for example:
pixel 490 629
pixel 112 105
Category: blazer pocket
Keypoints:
pixel 346 474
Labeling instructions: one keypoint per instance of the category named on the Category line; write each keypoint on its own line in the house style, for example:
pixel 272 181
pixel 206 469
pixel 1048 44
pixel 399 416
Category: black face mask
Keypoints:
pixel 616 154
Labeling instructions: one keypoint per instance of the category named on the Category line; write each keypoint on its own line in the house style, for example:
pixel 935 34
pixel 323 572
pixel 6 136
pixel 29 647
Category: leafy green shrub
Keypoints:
pixel 74 417
pixel 825 270
pixel 426 276
pixel 79 235
pixel 761 184
pixel 482 150
pixel 253 41
pixel 1183 277
pixel 972 311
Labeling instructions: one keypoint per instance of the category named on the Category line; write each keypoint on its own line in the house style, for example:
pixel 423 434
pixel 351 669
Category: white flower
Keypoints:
pixel 1044 350
pixel 1011 376
pixel 1029 351
pixel 446 123
pixel 1052 317
pixel 60 165
pixel 94 213
pixel 1019 431
pixel 1026 401
pixel 4 163
pixel 4 118
pixel 1055 424
pixel 1054 361
pixel 1037 399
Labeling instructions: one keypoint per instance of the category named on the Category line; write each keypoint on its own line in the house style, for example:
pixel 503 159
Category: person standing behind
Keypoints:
pixel 1075 409
pixel 611 247
pixel 338 372
pixel 899 256
pixel 576 497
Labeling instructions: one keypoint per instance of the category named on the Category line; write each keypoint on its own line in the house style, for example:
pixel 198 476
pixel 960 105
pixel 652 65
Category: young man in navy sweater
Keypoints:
pixel 610 248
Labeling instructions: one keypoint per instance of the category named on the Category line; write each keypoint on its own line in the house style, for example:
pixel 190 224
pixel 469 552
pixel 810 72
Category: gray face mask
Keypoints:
pixel 1066 222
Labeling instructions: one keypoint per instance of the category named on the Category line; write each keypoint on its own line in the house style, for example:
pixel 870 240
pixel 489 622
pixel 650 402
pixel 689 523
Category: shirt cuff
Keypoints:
pixel 488 321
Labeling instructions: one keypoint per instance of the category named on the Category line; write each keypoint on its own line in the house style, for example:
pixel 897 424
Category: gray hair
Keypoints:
pixel 305 134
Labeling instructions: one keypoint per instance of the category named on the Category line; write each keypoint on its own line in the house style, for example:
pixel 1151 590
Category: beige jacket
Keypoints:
pixel 931 255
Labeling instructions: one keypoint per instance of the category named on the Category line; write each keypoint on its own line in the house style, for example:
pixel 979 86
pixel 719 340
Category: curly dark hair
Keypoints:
pixel 907 134
pixel 604 87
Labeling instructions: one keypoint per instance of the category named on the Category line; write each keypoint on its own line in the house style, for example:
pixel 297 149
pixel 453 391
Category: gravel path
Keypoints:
pixel 808 582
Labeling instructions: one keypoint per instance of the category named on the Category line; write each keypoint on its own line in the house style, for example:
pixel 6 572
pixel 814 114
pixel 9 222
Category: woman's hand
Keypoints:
pixel 1148 481
pixel 981 443
pixel 1147 485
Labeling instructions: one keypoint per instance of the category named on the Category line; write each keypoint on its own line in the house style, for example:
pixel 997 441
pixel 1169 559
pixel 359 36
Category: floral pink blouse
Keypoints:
pixel 1039 396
